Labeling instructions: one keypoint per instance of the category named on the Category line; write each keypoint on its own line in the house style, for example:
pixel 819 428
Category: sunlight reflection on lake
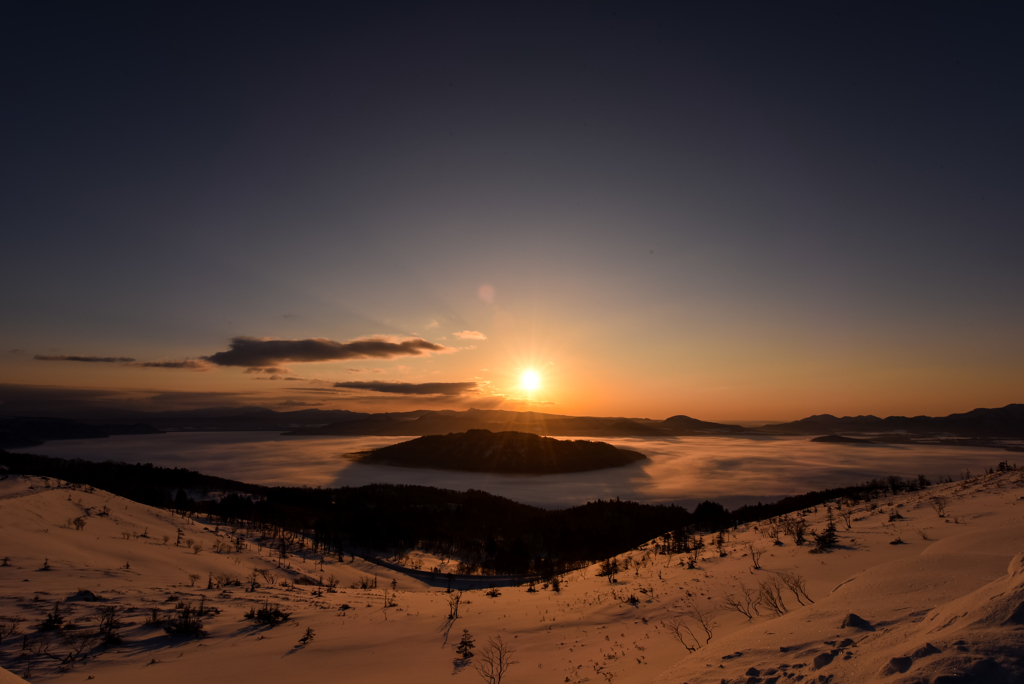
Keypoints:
pixel 684 470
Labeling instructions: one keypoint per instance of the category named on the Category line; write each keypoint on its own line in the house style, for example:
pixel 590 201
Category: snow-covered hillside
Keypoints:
pixel 946 605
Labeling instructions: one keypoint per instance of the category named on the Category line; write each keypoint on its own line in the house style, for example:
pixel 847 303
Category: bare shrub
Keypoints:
pixel 939 503
pixel 494 661
pixel 267 615
pixel 365 582
pixel 269 576
pixel 9 628
pixel 78 642
pixel 187 622
pixel 109 621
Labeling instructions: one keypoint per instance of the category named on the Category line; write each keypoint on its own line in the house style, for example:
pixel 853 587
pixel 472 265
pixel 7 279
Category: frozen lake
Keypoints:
pixel 684 470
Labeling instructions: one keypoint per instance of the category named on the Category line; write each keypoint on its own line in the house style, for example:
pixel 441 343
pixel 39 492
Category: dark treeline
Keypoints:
pixel 490 532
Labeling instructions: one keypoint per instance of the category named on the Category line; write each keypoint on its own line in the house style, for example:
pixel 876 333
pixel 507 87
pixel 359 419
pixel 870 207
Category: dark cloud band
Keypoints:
pixel 445 388
pixel 187 364
pixel 85 359
pixel 254 352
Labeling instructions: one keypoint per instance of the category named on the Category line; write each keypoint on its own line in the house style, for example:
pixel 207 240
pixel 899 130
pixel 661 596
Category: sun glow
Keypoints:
pixel 530 380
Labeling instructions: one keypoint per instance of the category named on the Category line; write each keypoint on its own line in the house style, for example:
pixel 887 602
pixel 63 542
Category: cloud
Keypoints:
pixel 432 324
pixel 277 376
pixel 270 369
pixel 258 352
pixel 470 335
pixel 445 388
pixel 186 364
pixel 88 402
pixel 85 359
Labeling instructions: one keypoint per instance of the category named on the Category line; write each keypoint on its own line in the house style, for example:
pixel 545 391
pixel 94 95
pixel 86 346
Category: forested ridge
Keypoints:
pixel 489 532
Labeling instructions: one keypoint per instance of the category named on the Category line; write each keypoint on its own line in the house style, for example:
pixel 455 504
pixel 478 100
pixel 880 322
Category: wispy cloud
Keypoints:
pixel 470 335
pixel 84 359
pixel 445 388
pixel 259 352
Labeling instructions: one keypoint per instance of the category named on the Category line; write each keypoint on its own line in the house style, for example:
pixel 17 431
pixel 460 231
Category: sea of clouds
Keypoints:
pixel 683 470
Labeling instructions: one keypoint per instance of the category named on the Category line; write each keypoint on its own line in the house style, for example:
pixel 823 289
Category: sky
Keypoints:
pixel 733 211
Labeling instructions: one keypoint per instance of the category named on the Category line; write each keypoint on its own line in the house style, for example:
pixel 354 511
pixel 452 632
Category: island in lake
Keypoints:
pixel 518 453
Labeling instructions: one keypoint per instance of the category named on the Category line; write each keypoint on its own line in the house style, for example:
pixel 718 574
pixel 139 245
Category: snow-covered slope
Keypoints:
pixel 947 586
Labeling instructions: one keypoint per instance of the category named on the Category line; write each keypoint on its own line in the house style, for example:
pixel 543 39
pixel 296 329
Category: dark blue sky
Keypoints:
pixel 732 210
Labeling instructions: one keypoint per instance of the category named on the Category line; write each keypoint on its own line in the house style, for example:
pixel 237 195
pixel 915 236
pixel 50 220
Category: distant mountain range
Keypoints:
pixel 1005 422
pixel 444 422
pixel 1000 423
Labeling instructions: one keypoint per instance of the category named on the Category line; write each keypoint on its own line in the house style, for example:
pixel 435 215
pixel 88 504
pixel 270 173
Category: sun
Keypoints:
pixel 530 380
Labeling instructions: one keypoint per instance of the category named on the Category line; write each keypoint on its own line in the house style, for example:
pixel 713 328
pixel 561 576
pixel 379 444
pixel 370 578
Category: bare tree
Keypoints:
pixel 798 530
pixel 332 584
pixel 755 555
pixel 454 599
pixel 939 504
pixel 745 602
pixel 389 601
pixel 494 661
pixel 798 585
pixel 688 626
pixel 770 595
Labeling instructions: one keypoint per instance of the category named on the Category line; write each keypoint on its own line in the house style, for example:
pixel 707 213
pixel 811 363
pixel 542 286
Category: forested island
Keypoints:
pixel 483 451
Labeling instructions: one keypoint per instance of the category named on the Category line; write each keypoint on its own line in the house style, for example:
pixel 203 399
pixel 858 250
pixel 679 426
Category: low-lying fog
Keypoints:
pixel 684 470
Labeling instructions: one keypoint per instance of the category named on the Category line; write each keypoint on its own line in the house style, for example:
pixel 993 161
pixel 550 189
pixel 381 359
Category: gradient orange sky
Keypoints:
pixel 675 209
